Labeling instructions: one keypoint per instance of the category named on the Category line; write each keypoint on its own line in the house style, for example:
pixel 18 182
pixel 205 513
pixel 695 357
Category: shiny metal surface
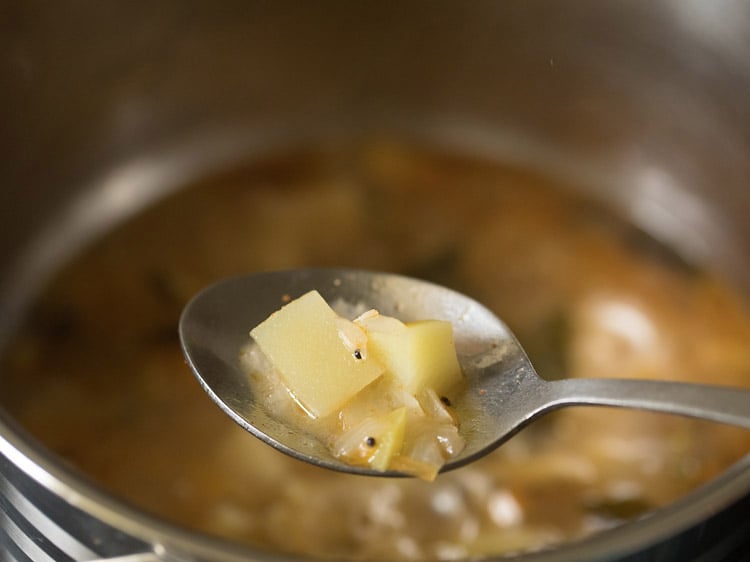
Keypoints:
pixel 105 107
pixel 40 526
pixel 504 393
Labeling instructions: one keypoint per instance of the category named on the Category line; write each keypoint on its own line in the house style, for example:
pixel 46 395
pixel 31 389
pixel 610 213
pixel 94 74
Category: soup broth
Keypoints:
pixel 586 293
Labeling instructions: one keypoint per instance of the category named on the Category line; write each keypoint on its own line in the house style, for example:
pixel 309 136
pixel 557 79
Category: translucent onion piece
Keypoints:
pixel 449 439
pixel 434 407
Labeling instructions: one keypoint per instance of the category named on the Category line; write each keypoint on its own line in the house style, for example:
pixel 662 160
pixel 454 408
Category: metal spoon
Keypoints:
pixel 504 392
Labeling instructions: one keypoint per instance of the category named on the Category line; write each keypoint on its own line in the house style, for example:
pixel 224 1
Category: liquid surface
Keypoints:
pixel 586 294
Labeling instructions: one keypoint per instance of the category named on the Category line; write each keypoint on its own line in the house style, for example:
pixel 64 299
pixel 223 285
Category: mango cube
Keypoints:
pixel 390 441
pixel 422 355
pixel 305 344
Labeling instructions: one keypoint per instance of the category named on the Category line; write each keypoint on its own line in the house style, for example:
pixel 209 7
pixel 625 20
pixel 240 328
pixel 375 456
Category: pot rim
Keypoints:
pixel 165 537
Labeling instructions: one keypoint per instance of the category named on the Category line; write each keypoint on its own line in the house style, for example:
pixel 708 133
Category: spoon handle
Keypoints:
pixel 717 403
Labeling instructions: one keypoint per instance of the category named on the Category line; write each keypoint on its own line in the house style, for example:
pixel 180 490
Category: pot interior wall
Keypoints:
pixel 650 99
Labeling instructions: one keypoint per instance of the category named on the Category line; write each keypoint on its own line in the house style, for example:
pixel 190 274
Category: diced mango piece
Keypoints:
pixel 421 356
pixel 304 343
pixel 390 441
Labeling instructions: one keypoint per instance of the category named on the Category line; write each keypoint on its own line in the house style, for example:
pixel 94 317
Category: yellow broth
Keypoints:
pixel 97 375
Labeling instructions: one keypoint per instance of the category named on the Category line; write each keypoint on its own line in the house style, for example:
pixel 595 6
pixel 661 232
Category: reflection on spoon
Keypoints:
pixel 503 391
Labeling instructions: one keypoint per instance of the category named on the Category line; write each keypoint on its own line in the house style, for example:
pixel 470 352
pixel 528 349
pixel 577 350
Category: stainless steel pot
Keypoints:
pixel 105 107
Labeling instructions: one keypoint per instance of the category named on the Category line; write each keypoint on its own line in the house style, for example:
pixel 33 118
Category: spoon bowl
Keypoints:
pixel 503 391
